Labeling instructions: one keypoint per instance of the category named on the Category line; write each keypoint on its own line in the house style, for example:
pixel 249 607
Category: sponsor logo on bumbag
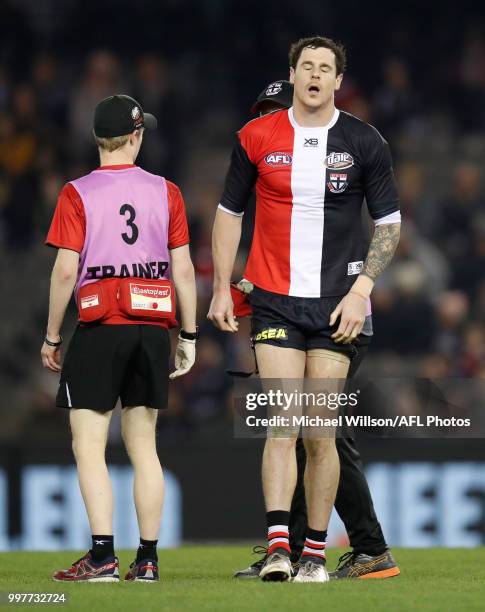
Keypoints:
pixel 89 301
pixel 278 159
pixel 148 297
pixel 339 161
pixel 152 291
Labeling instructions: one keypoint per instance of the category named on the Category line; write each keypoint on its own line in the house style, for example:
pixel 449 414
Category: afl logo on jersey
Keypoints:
pixel 278 159
pixel 339 161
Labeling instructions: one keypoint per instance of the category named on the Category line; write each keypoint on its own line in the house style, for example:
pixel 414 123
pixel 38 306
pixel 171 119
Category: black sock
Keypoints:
pixel 147 550
pixel 277 517
pixel 278 534
pixel 313 534
pixel 102 547
pixel 314 548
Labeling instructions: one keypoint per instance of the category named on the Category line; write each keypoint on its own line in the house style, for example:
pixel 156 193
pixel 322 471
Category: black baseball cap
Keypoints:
pixel 120 115
pixel 277 92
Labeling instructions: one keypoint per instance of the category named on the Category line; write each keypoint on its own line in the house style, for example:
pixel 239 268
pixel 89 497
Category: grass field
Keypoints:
pixel 199 578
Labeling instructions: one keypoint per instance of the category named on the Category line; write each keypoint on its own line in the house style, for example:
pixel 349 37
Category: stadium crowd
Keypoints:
pixel 428 100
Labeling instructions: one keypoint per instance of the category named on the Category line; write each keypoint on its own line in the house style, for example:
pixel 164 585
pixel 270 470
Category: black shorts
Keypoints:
pixel 107 362
pixel 300 323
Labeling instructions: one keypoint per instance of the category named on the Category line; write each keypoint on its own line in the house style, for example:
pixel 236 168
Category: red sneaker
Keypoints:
pixel 87 570
pixel 143 571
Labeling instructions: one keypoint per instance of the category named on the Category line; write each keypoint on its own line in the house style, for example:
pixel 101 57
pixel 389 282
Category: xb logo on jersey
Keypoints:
pixel 337 182
pixel 311 142
pixel 278 159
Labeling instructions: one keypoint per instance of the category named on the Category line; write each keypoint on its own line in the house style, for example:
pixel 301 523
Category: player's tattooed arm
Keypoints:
pixel 352 307
pixel 382 249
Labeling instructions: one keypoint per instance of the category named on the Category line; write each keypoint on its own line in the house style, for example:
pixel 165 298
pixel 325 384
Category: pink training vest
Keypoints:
pixel 127 221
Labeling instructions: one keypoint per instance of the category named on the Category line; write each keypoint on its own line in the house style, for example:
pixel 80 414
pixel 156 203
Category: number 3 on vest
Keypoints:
pixel 129 239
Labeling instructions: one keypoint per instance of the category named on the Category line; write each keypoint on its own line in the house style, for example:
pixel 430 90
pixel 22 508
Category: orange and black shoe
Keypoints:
pixel 362 566
pixel 145 570
pixel 86 569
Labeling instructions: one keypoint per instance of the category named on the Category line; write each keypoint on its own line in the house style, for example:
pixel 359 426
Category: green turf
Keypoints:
pixel 199 578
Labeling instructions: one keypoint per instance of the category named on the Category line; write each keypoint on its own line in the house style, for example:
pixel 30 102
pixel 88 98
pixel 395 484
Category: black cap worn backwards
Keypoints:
pixel 120 115
pixel 278 92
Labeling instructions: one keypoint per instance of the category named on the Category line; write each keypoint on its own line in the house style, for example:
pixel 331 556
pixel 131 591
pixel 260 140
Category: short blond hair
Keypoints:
pixel 111 144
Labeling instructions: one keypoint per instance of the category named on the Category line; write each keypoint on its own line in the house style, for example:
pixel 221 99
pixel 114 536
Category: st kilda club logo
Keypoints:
pixel 337 182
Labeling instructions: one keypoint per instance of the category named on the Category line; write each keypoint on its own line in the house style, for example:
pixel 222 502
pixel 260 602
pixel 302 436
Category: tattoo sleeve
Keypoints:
pixel 382 249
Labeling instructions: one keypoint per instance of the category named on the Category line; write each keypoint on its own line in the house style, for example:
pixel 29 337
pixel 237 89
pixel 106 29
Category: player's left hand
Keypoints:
pixel 351 310
pixel 184 357
pixel 51 357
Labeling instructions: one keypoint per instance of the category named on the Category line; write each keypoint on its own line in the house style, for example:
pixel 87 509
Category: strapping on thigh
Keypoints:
pixel 323 353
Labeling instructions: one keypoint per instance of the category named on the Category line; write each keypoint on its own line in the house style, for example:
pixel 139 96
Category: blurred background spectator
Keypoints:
pixel 198 66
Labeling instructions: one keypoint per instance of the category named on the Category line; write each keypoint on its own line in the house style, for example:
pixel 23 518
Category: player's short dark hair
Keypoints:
pixel 315 42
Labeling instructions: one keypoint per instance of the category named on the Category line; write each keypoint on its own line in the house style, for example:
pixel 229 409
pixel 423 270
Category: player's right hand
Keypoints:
pixel 221 311
pixel 351 309
pixel 51 357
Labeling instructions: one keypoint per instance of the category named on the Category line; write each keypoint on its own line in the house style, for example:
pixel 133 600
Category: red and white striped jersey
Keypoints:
pixel 309 239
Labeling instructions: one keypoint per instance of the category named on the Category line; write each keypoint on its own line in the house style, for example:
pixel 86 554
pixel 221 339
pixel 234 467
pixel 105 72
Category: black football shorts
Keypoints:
pixel 107 362
pixel 300 323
